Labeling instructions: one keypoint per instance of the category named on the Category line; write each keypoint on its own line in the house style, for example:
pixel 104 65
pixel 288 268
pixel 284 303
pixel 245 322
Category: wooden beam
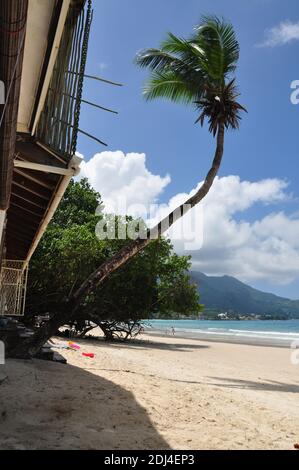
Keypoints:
pixel 35 214
pixel 37 180
pixel 15 223
pixel 14 226
pixel 51 62
pixel 20 237
pixel 29 201
pixel 30 151
pixel 30 190
pixel 43 168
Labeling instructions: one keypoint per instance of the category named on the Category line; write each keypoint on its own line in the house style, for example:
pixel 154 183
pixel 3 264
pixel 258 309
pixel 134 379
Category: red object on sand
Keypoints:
pixel 91 355
pixel 296 446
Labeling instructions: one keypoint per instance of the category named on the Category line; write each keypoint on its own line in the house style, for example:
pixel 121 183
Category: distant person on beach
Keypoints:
pixel 172 331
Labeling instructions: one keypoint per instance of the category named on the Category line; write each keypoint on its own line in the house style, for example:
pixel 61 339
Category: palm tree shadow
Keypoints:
pixel 47 405
pixel 267 385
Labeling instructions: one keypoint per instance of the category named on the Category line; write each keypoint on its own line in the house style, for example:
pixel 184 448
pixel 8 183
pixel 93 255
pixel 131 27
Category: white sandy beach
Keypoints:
pixel 154 393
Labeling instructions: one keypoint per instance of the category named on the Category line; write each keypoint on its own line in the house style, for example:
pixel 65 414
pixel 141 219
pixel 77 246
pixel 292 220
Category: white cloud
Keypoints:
pixel 120 177
pixel 284 33
pixel 264 248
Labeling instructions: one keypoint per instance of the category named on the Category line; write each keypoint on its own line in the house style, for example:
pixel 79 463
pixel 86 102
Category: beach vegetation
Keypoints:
pixel 155 281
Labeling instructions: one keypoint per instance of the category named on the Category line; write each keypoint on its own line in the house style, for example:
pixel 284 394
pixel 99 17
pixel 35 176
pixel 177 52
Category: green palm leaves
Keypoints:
pixel 197 70
pixel 220 48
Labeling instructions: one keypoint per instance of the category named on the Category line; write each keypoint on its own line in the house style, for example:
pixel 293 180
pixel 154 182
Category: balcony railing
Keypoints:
pixel 13 284
pixel 58 124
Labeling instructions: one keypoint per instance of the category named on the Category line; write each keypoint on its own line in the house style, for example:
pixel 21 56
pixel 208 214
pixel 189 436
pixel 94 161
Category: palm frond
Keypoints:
pixel 197 70
pixel 157 59
pixel 217 39
pixel 182 48
pixel 170 86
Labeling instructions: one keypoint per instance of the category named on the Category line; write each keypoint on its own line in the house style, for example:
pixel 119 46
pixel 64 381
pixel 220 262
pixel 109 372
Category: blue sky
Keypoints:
pixel 266 145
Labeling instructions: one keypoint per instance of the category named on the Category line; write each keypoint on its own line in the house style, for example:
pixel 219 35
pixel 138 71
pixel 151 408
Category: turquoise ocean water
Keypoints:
pixel 276 333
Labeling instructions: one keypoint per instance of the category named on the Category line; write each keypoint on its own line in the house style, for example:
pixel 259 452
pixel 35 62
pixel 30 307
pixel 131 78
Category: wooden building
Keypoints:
pixel 43 48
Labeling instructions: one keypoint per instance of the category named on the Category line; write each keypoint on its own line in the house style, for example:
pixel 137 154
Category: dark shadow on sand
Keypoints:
pixel 79 410
pixel 143 344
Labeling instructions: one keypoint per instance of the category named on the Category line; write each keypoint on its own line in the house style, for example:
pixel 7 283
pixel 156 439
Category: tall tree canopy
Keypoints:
pixel 154 281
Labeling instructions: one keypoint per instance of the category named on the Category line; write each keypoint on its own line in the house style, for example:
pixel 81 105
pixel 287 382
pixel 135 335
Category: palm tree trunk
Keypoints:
pixel 32 345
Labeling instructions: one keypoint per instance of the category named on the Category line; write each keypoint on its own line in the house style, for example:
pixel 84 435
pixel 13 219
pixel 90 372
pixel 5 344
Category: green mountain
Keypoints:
pixel 228 294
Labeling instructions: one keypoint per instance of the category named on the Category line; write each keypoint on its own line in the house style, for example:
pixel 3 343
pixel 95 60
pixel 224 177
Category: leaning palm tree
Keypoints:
pixel 198 70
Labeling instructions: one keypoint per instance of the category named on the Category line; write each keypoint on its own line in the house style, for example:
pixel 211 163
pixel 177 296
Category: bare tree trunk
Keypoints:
pixel 32 345
pixel 86 330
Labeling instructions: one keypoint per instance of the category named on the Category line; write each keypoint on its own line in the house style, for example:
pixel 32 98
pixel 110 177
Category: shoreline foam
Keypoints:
pixel 258 338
